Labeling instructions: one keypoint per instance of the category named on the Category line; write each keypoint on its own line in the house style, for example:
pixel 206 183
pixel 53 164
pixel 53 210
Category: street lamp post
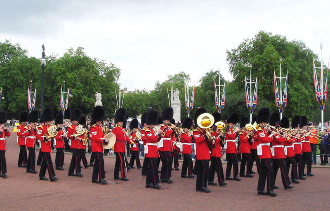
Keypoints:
pixel 43 64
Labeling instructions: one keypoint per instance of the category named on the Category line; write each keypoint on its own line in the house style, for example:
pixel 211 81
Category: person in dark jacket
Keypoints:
pixel 324 147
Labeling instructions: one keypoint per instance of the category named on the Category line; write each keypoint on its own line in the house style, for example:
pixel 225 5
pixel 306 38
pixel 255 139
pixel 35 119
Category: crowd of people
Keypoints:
pixel 270 142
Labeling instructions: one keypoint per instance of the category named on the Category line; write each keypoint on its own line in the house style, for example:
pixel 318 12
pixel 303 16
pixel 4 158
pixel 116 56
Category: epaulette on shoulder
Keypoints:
pixel 259 129
pixel 93 125
pixel 195 130
pixel 147 130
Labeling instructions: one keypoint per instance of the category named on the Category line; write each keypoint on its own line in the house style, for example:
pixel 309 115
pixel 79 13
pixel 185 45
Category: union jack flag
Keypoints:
pixel 223 99
pixel 216 97
pixel 192 100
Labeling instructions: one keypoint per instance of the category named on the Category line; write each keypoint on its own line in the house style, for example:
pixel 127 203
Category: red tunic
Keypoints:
pixel 186 143
pixel 151 143
pixel 202 148
pixel 230 141
pixel 45 145
pixel 59 139
pixel 255 142
pixel 136 148
pixel 96 135
pixel 121 139
pixel 288 143
pixel 75 142
pixel 264 142
pixel 143 136
pixel 216 151
pixel 297 146
pixel 22 132
pixel 30 140
pixel 3 144
pixel 166 138
pixel 278 146
pixel 245 145
pixel 306 145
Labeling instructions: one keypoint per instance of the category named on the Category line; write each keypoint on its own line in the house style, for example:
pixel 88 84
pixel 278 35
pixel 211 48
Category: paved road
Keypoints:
pixel 25 191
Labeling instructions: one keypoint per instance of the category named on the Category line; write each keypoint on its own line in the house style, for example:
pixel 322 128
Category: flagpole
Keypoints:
pixel 322 94
pixel 251 99
pixel 281 99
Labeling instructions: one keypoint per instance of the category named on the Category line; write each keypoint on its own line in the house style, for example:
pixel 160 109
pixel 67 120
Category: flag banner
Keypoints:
pixel 61 101
pixel 192 100
pixel 29 100
pixel 67 100
pixel 277 95
pixel 223 98
pixel 34 100
pixel 255 95
pixel 325 94
pixel 186 97
pixel 216 97
pixel 247 98
pixel 316 85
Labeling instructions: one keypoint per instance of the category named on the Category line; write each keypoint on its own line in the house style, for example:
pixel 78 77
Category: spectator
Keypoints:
pixel 314 141
pixel 324 147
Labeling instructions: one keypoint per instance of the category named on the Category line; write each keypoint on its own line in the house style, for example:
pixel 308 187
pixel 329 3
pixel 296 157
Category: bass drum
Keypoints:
pixel 111 138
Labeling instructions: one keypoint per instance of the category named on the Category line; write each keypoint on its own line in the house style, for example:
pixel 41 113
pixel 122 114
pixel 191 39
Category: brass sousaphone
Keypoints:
pixel 111 138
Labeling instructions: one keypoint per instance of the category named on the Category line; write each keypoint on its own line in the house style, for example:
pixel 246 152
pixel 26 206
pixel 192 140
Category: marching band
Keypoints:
pixel 269 141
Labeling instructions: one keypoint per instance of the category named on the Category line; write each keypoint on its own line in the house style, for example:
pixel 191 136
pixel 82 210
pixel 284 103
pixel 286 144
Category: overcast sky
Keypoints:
pixel 149 40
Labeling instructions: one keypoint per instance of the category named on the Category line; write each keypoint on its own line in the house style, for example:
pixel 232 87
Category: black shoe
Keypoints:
pixel 132 167
pixel 163 180
pixel 276 187
pixel 302 178
pixel 28 171
pixel 253 172
pixel 237 179
pixel 177 169
pixel 310 174
pixel 128 168
pixel 304 175
pixel 295 181
pixel 38 164
pixel 213 183
pixel 172 169
pixel 191 176
pixel 223 183
pixel 149 185
pixel 43 178
pixel 271 193
pixel 144 174
pixel 92 164
pixel 61 168
pixel 169 181
pixel 71 174
pixel 262 192
pixel 139 167
pixel 3 175
pixel 229 178
pixel 53 179
pixel 103 182
pixel 156 186
pixel 125 179
pixel 203 189
pixel 87 166
pixel 117 178
pixel 79 175
pixel 289 187
pixel 242 175
pixel 95 181
pixel 249 175
pixel 33 171
pixel 184 176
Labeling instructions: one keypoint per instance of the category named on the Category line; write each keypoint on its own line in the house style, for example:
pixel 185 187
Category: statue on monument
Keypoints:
pixel 176 94
pixel 98 97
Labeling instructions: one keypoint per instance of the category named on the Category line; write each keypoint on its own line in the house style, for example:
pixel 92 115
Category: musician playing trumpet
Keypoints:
pixel 4 132
pixel 135 138
pixel 245 137
pixel 186 149
pixel 59 142
pixel 31 143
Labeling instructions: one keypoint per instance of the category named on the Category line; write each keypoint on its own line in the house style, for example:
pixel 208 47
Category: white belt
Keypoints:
pixel 2 139
pixel 288 146
pixel 165 139
pixel 152 144
pixel 231 140
pixel 305 141
pixel 186 143
pixel 264 144
pixel 278 146
pixel 30 137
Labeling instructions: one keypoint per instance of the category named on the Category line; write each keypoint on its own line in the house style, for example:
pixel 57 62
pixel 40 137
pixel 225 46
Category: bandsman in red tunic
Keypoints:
pixel 97 138
pixel 265 155
pixel 245 138
pixel 202 155
pixel 135 137
pixel 306 147
pixel 186 137
pixel 75 143
pixel 31 143
pixel 216 164
pixel 143 137
pixel 253 149
pixel 231 147
pixel 83 141
pixel 46 146
pixel 59 142
pixel 150 150
pixel 22 132
pixel 120 145
pixel 278 152
pixel 4 132
pixel 165 145
pixel 297 146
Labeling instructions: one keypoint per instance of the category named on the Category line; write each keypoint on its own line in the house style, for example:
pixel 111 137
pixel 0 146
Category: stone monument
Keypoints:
pixel 98 97
pixel 176 105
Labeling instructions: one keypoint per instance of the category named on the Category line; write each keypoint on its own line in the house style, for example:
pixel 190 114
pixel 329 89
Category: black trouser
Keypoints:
pixel 202 173
pixel 176 158
pixel 216 165
pixel 159 158
pixel 232 161
pixel 300 163
pixel 254 157
pixel 266 171
pixel 82 153
pixel 145 166
pixel 59 159
pixel 75 162
pixel 40 156
pixel 98 169
pixel 166 165
pixel 47 163
pixel 31 162
pixel 92 159
pixel 135 156
pixel 120 164
pixel 307 158
pixel 22 158
pixel 187 164
pixel 324 154
pixel 3 165
pixel 292 161
pixel 246 160
pixel 280 163
pixel 152 172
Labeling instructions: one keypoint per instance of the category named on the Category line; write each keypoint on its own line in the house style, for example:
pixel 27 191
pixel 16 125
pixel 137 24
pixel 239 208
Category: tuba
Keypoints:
pixel 206 121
